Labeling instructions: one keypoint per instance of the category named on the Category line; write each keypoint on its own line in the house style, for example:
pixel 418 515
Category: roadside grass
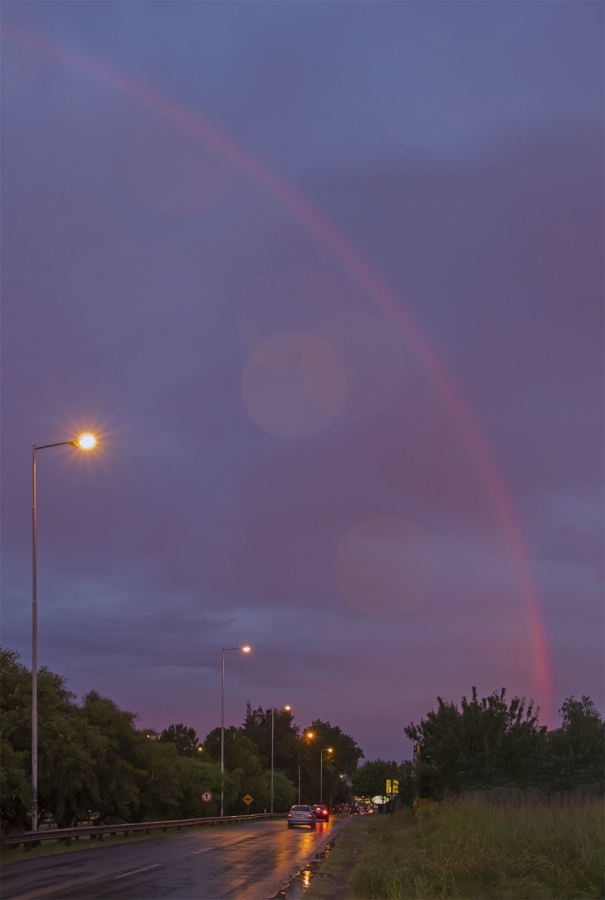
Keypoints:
pixel 471 851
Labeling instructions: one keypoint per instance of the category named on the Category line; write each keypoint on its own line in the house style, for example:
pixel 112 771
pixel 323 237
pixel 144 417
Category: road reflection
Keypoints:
pixel 302 880
pixel 240 862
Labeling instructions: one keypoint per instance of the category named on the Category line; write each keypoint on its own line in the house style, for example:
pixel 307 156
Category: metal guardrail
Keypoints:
pixel 31 839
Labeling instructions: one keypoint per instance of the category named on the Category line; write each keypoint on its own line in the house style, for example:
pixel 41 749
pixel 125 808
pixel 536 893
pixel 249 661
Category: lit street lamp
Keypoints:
pixel 286 709
pixel 310 736
pixel 244 650
pixel 84 442
pixel 321 774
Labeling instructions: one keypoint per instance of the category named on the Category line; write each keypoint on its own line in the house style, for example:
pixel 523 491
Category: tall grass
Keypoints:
pixel 467 849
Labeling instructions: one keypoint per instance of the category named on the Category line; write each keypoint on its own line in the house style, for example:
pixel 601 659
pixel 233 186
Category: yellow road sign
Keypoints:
pixel 248 799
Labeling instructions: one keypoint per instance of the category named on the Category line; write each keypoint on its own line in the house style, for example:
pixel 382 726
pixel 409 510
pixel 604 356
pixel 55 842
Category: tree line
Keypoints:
pixel 492 742
pixel 95 764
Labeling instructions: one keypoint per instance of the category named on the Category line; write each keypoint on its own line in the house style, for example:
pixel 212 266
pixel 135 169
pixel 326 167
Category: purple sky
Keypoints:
pixel 326 279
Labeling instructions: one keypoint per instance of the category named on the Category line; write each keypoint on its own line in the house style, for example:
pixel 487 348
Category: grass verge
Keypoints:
pixel 470 851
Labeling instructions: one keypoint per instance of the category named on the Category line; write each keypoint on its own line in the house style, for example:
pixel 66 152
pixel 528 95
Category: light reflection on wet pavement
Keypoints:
pixel 302 880
pixel 253 862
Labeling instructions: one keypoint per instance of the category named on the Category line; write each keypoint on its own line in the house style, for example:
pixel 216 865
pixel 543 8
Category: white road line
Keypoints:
pixel 136 871
pixel 205 850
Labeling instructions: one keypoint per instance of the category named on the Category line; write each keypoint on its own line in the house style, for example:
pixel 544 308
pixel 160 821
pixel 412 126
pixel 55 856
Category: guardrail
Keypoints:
pixel 31 839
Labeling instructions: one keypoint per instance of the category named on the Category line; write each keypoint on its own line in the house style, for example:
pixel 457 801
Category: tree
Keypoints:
pixel 257 727
pixel 159 782
pixel 15 788
pixel 408 784
pixel 68 754
pixel 67 750
pixel 184 739
pixel 577 748
pixel 120 763
pixel 242 763
pixel 485 743
pixel 336 768
pixel 239 751
pixel 370 778
pixel 259 787
pixel 15 742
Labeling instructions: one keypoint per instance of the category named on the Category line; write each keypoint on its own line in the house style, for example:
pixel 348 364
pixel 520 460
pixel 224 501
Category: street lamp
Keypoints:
pixel 243 650
pixel 286 709
pixel 310 736
pixel 321 773
pixel 84 442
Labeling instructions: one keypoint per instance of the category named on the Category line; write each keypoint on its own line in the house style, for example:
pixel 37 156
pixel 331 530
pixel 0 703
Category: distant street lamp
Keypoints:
pixel 321 773
pixel 243 650
pixel 310 735
pixel 84 442
pixel 286 709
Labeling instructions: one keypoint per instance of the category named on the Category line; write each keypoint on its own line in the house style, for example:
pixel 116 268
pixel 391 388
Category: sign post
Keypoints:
pixel 392 789
pixel 248 800
pixel 206 797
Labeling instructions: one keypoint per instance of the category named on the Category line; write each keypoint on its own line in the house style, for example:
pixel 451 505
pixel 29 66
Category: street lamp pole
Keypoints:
pixel 321 774
pixel 272 746
pixel 287 709
pixel 85 442
pixel 244 650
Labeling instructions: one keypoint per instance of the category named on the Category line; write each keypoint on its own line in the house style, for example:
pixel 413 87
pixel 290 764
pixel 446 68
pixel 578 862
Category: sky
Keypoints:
pixel 326 281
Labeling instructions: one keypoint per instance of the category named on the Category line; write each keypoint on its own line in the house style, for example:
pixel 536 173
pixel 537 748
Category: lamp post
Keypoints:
pixel 225 649
pixel 310 736
pixel 321 773
pixel 84 442
pixel 286 709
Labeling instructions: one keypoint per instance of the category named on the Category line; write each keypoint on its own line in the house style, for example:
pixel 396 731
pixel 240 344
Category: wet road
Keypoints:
pixel 248 862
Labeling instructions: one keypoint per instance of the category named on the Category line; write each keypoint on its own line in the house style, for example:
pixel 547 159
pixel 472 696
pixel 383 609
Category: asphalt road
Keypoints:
pixel 248 862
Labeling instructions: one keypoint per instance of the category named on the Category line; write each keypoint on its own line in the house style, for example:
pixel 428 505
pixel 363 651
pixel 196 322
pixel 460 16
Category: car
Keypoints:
pixel 322 813
pixel 301 815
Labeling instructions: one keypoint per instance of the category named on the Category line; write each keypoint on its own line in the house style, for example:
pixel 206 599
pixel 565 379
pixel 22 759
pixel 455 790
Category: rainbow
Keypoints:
pixel 213 135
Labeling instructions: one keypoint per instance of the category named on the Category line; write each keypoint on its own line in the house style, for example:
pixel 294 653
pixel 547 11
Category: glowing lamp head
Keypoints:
pixel 287 708
pixel 245 649
pixel 86 441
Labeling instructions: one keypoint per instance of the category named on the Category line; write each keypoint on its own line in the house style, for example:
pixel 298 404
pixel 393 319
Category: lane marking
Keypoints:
pixel 205 850
pixel 136 871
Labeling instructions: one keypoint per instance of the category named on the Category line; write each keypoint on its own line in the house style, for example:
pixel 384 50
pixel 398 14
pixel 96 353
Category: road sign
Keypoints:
pixel 248 799
pixel 206 796
pixel 395 786
pixel 388 789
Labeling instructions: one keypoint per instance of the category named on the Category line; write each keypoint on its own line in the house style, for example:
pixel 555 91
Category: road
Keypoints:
pixel 248 862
